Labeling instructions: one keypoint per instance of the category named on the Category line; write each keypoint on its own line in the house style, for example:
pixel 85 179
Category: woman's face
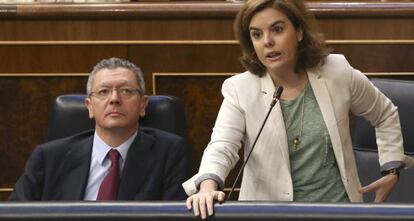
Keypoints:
pixel 275 40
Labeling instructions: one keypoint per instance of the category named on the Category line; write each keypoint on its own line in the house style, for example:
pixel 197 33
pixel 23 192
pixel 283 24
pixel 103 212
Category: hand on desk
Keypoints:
pixel 202 202
pixel 382 187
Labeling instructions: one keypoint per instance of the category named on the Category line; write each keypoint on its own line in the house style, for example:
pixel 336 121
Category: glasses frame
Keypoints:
pixel 117 89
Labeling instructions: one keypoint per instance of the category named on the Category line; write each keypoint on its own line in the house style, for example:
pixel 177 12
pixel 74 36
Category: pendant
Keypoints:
pixel 296 142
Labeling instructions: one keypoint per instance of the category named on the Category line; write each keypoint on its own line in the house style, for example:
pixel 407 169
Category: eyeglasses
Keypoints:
pixel 124 92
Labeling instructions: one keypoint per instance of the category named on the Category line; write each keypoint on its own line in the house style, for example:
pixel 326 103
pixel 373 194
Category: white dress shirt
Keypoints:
pixel 100 164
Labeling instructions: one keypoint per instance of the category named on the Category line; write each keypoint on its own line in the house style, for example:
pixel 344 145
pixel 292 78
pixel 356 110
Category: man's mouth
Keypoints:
pixel 114 113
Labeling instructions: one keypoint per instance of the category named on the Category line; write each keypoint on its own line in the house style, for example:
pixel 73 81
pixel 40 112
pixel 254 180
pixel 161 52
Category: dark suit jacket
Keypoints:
pixel 154 169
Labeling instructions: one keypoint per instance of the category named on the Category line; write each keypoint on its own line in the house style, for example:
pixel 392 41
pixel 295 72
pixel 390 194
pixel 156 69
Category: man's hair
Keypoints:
pixel 113 63
pixel 312 50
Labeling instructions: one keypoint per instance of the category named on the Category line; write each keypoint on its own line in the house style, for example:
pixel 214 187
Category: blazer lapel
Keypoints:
pixel 268 88
pixel 324 100
pixel 275 120
pixel 75 170
pixel 137 166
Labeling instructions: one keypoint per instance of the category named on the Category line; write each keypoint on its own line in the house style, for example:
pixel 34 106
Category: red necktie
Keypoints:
pixel 109 186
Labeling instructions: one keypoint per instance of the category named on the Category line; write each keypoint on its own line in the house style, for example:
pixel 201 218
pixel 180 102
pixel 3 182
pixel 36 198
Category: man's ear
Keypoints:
pixel 143 105
pixel 88 104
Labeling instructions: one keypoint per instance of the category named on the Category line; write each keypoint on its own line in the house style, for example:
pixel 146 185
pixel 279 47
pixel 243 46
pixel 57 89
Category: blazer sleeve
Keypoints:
pixel 221 154
pixel 30 185
pixel 373 105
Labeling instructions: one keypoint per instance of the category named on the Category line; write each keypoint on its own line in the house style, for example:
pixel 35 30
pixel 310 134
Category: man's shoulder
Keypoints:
pixel 160 134
pixel 68 142
pixel 53 152
pixel 162 141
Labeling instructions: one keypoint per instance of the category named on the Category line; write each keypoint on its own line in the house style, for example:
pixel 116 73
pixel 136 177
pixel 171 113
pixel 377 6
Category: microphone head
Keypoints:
pixel 276 95
pixel 278 92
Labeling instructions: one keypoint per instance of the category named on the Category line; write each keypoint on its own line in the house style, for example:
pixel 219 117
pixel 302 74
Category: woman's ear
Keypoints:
pixel 299 34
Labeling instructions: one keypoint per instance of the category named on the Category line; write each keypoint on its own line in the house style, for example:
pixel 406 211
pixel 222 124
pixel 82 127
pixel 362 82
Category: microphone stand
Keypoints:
pixel 275 98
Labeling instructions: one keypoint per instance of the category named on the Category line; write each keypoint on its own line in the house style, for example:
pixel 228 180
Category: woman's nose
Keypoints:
pixel 268 41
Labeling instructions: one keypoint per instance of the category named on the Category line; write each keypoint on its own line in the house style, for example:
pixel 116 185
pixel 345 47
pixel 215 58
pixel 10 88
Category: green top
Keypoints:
pixel 315 174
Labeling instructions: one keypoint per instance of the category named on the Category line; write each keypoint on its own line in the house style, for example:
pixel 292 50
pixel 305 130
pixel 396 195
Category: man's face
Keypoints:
pixel 115 102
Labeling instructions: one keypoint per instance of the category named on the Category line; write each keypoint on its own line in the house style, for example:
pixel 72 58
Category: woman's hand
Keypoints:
pixel 202 202
pixel 382 187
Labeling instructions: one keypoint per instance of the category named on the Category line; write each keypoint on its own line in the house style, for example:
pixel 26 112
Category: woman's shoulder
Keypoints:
pixel 336 59
pixel 243 78
pixel 335 65
pixel 247 75
pixel 336 62
pixel 242 83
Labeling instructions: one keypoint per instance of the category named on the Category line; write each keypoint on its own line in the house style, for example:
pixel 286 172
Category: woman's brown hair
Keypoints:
pixel 312 50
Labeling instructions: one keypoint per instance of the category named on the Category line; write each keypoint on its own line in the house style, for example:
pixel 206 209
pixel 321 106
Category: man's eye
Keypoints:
pixel 126 91
pixel 103 91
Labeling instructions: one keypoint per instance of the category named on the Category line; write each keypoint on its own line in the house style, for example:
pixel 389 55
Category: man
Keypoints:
pixel 116 161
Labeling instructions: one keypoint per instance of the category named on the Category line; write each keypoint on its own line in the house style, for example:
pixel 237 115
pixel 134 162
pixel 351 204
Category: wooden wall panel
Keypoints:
pixel 190 57
pixel 190 21
pixel 55 58
pixel 378 57
pixel 106 29
pixel 187 58
pixel 25 104
pixel 363 28
pixel 202 98
pixel 178 29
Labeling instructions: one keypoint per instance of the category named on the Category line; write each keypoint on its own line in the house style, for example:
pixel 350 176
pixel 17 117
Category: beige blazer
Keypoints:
pixel 338 89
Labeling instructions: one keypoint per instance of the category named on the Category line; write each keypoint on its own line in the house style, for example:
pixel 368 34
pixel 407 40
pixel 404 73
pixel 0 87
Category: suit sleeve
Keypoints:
pixel 176 171
pixel 30 185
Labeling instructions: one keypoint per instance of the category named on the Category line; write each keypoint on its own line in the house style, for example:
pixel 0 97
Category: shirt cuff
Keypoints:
pixel 392 165
pixel 209 176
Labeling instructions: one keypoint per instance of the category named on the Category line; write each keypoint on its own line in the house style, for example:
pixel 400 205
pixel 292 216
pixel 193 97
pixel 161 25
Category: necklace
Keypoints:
pixel 296 140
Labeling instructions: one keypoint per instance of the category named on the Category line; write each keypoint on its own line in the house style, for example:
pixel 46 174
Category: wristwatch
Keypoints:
pixel 394 171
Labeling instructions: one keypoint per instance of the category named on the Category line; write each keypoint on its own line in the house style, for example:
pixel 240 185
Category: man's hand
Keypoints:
pixel 202 202
pixel 382 187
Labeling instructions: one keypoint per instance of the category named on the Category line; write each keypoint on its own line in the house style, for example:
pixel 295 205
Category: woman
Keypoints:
pixel 305 151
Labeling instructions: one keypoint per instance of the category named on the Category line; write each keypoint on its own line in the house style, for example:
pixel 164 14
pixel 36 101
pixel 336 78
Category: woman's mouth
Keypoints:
pixel 273 56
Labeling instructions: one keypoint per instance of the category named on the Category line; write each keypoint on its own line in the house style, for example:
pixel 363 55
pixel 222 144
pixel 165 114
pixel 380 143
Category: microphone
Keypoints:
pixel 276 96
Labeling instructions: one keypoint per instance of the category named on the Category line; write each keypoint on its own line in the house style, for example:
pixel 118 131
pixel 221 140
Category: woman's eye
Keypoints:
pixel 278 29
pixel 255 34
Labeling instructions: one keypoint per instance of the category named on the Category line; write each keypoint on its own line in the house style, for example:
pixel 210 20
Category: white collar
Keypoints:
pixel 101 149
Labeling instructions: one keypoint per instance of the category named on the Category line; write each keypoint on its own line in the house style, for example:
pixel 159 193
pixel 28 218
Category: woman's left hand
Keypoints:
pixel 382 187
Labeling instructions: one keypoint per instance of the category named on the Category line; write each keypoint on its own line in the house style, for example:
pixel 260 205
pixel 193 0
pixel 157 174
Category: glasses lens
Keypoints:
pixel 124 92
